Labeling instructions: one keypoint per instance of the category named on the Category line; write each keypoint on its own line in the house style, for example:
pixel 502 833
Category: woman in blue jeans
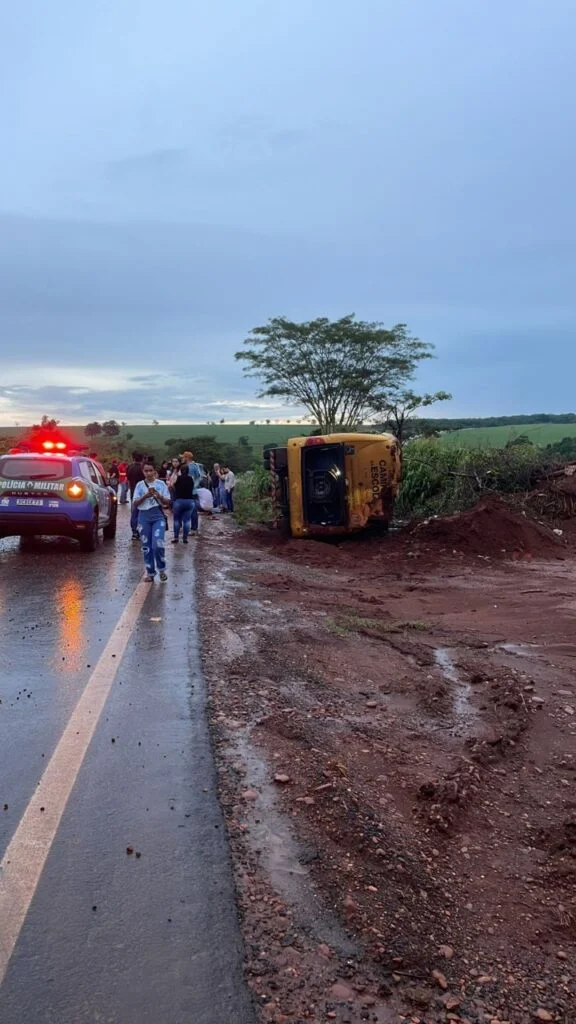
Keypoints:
pixel 184 508
pixel 151 497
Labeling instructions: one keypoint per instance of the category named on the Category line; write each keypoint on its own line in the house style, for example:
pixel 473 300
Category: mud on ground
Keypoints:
pixel 395 722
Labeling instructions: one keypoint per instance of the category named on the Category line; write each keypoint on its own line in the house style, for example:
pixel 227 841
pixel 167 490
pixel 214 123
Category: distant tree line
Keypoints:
pixel 208 450
pixel 424 424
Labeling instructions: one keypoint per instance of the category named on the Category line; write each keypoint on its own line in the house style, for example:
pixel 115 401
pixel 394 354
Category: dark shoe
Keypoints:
pixel 163 577
pixel 175 540
pixel 135 536
pixel 185 541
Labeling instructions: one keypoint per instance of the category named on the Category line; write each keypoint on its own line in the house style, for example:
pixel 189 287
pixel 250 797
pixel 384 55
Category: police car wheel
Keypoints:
pixel 89 541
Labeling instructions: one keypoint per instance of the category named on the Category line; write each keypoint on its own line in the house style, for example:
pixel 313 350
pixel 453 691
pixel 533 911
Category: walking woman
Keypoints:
pixel 185 508
pixel 151 497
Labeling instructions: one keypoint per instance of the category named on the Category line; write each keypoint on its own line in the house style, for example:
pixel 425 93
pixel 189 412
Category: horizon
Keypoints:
pixel 297 421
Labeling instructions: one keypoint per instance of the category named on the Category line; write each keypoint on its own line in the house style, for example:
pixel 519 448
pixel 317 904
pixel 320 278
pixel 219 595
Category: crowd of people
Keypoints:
pixel 181 485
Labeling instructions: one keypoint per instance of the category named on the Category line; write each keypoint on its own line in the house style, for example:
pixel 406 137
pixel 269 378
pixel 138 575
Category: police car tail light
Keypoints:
pixel 75 490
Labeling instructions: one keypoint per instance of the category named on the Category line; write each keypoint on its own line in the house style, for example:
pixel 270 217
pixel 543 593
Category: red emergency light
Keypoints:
pixel 54 446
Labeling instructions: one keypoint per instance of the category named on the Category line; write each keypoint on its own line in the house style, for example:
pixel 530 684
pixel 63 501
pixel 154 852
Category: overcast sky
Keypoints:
pixel 174 174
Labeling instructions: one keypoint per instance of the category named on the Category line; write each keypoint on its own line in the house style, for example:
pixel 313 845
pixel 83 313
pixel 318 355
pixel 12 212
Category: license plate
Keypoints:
pixel 29 501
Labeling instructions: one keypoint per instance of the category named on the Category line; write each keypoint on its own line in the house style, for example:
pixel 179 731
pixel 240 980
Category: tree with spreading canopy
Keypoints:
pixel 93 429
pixel 111 428
pixel 46 423
pixel 400 406
pixel 341 371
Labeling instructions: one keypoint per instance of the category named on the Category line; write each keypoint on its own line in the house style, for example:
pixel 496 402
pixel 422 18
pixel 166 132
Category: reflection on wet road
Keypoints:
pixel 116 900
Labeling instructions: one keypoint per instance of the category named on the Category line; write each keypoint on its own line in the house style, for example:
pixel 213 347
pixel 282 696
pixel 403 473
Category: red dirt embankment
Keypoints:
pixel 492 528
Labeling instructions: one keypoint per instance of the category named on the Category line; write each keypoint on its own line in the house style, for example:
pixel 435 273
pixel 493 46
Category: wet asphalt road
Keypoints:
pixel 109 937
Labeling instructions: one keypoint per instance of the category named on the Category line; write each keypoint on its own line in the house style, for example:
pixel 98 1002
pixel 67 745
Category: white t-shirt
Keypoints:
pixel 205 499
pixel 141 489
pixel 229 481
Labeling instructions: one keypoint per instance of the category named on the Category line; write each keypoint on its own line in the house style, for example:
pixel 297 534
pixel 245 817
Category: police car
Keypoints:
pixel 55 492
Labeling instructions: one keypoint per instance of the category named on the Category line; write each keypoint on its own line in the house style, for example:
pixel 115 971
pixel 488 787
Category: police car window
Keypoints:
pixel 85 470
pixel 93 473
pixel 99 477
pixel 16 468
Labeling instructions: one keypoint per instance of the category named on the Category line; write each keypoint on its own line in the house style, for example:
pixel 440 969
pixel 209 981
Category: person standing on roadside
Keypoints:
pixel 184 507
pixel 193 467
pixel 134 474
pixel 113 476
pixel 221 500
pixel 173 471
pixel 151 496
pixel 122 483
pixel 229 485
pixel 215 482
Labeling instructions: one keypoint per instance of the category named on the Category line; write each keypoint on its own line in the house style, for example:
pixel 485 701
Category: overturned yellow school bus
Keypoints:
pixel 334 484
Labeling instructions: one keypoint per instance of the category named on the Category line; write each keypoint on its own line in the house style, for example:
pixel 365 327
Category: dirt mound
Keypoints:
pixel 493 529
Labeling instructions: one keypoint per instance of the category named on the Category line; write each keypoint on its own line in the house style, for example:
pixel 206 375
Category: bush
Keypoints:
pixel 439 480
pixel 252 500
pixel 564 450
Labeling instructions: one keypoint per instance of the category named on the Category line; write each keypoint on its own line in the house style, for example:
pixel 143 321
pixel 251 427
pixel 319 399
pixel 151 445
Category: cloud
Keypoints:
pixel 153 160
pixel 163 400
pixel 141 320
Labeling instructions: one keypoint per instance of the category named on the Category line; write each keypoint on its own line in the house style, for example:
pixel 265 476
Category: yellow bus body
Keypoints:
pixel 372 477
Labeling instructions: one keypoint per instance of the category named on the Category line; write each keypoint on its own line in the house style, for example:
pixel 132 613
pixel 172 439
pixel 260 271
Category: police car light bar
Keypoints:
pixel 50 446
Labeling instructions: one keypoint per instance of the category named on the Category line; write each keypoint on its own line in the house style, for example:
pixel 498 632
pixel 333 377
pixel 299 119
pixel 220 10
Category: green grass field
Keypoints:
pixel 497 437
pixel 147 436
pixel 227 433
pixel 154 437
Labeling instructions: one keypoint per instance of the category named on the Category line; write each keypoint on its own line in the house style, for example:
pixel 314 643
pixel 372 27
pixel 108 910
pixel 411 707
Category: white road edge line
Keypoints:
pixel 26 854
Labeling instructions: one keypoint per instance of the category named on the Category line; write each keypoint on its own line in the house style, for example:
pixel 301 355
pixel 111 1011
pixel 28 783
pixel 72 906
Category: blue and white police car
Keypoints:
pixel 55 492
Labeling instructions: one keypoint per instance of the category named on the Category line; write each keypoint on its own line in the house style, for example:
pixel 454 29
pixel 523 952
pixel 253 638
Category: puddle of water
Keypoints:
pixel 262 610
pixel 521 650
pixel 233 646
pixel 221 583
pixel 462 706
pixel 281 856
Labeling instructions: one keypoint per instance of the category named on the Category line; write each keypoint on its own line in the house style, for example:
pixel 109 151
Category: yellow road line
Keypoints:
pixel 22 864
